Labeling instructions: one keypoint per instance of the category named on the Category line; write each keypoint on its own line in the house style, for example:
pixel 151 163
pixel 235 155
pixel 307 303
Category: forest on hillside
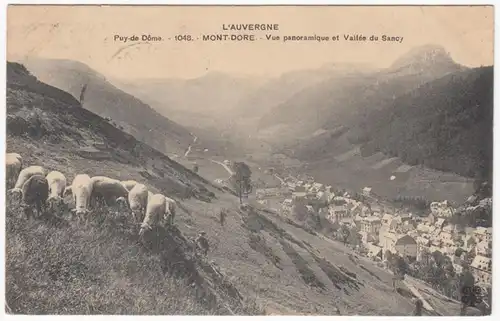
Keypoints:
pixel 446 124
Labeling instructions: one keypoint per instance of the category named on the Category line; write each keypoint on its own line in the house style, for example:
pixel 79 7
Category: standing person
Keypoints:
pixel 202 243
pixel 222 216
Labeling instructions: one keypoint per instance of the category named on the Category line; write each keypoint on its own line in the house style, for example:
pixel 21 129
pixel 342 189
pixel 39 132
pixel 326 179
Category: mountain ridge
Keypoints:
pixel 108 101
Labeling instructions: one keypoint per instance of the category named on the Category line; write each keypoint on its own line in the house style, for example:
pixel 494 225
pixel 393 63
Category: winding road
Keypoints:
pixel 223 165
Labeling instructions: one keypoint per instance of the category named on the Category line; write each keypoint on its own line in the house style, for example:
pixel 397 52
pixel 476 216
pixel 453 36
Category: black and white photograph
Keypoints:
pixel 249 160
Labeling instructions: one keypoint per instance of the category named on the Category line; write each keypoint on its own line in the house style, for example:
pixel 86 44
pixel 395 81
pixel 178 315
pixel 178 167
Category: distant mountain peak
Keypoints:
pixel 424 57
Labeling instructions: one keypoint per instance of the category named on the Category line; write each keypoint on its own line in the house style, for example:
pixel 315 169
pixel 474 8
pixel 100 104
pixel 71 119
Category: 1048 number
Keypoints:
pixel 183 38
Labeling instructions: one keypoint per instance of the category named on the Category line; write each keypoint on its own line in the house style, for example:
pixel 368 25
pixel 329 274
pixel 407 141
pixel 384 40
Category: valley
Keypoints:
pixel 342 147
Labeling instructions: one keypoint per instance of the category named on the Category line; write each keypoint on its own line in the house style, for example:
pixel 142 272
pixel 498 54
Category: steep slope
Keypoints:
pixel 107 101
pixel 446 124
pixel 57 266
pixel 256 260
pixel 348 97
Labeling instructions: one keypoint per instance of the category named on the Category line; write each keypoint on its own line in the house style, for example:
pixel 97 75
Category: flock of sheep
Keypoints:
pixel 37 188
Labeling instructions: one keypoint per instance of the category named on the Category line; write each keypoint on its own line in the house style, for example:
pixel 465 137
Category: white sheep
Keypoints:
pixel 138 201
pixel 35 192
pixel 81 188
pixel 13 164
pixel 129 184
pixel 108 190
pixel 155 211
pixel 23 177
pixel 171 208
pixel 57 186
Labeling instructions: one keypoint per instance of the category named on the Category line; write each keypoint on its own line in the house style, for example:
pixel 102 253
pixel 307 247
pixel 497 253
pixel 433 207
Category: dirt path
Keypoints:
pixel 223 165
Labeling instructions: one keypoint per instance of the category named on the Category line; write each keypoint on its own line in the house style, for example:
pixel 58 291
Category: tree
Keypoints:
pixel 241 179
pixel 354 238
pixel 82 93
pixel 459 251
pixel 345 233
pixel 467 295
pixel 300 211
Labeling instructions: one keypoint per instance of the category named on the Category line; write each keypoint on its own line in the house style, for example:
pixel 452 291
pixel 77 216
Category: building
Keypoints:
pixel 483 248
pixel 481 269
pixel 387 240
pixel 423 228
pixel 287 204
pixel 442 209
pixel 299 196
pixel 446 236
pixel 483 234
pixel 322 197
pixel 413 233
pixel 406 246
pixel 347 221
pixel 422 247
pixel 469 242
pixel 386 219
pixel 371 224
pixel 317 187
pixel 310 209
pixel 367 191
pixel 440 223
pixel 430 219
pixel 337 212
pixel 262 193
pixel 374 251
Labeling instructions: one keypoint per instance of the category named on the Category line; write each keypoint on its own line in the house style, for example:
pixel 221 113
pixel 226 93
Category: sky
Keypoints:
pixel 86 34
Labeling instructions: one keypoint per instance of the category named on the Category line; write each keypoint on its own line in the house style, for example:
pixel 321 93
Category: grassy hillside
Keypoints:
pixel 107 101
pixel 59 266
pixel 257 263
pixel 446 124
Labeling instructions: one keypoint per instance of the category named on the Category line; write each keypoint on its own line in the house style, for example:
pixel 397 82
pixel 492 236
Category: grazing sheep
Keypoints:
pixel 14 164
pixel 81 188
pixel 23 177
pixel 35 192
pixel 57 186
pixel 129 184
pixel 138 200
pixel 108 190
pixel 171 208
pixel 155 211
